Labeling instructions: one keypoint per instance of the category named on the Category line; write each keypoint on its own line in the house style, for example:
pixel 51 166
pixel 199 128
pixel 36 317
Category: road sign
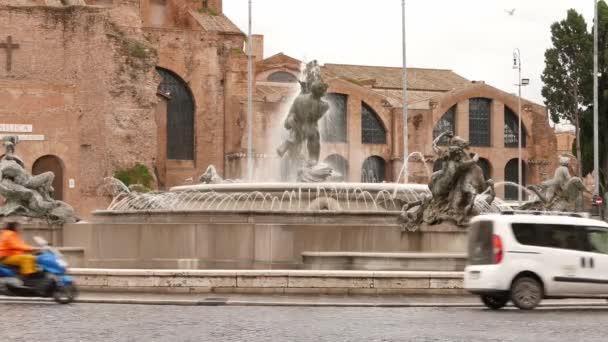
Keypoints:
pixel 599 201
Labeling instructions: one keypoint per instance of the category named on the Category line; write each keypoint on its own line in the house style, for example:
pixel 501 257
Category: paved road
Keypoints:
pixel 106 322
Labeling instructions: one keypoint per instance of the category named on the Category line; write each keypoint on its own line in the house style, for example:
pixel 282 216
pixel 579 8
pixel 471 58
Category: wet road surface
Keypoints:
pixel 110 322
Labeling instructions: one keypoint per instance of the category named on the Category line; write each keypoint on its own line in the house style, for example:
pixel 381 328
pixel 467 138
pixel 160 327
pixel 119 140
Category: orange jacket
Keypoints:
pixel 12 244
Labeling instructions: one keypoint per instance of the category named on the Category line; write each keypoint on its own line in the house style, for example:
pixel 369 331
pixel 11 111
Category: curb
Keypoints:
pixel 237 303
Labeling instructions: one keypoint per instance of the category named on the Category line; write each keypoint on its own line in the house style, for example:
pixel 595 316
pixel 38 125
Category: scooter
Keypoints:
pixel 53 284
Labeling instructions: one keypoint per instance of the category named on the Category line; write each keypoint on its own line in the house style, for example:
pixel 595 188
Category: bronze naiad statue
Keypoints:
pixel 303 131
pixel 27 195
pixel 454 189
pixel 559 193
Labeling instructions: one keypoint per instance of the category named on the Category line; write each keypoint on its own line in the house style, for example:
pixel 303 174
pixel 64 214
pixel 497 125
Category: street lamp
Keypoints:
pixel 520 82
pixel 249 100
pixel 596 155
pixel 405 113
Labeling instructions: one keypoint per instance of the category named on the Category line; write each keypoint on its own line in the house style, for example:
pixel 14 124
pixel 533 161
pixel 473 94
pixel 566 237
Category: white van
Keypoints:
pixel 524 258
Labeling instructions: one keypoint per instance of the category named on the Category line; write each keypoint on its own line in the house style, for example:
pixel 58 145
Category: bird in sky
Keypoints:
pixel 511 12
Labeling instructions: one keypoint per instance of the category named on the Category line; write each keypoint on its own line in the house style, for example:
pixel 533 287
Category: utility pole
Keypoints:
pixel 517 64
pixel 596 152
pixel 405 113
pixel 249 101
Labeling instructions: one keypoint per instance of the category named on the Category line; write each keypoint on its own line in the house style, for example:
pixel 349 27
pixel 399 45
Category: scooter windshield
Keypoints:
pixel 49 262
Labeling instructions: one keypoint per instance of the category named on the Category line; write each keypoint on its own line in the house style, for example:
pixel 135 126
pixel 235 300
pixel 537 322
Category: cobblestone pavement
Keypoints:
pixel 101 322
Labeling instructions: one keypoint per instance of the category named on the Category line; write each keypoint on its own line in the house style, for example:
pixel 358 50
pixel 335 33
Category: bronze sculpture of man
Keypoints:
pixel 302 124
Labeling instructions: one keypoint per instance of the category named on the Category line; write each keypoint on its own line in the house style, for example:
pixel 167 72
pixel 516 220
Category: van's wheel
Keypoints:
pixel 526 293
pixel 495 302
pixel 65 294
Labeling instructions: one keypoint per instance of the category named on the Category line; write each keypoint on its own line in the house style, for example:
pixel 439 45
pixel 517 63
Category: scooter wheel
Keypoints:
pixel 65 294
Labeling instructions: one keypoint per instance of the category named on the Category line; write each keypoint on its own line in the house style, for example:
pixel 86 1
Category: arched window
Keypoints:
pixel 373 170
pixel 446 124
pixel 372 130
pixel 512 130
pixel 55 165
pixel 282 77
pixel 486 166
pixel 479 121
pixel 339 164
pixel 511 175
pixel 180 116
pixel 333 123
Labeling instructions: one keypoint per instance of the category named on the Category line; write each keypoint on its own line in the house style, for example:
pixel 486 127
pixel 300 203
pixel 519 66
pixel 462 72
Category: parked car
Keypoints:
pixel 525 258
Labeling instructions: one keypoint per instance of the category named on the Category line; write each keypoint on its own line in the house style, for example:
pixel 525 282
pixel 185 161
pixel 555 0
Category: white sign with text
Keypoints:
pixel 26 137
pixel 17 128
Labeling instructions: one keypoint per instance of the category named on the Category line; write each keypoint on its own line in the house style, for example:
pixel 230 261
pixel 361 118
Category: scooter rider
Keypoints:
pixel 15 252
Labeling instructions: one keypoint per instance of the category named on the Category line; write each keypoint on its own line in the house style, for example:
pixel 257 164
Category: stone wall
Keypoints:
pixel 244 240
pixel 87 85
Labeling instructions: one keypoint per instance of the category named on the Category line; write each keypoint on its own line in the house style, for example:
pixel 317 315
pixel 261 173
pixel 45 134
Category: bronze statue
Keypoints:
pixel 559 193
pixel 302 123
pixel 28 195
pixel 454 190
pixel 302 127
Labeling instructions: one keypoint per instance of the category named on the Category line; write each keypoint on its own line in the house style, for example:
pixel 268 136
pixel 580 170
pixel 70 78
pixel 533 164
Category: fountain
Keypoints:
pixel 222 223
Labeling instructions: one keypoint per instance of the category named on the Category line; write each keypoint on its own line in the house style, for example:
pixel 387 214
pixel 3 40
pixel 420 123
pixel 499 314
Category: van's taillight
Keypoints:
pixel 498 252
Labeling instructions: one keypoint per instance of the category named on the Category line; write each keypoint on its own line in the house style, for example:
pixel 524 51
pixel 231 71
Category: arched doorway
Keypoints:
pixel 511 175
pixel 55 165
pixel 180 116
pixel 338 163
pixel 373 170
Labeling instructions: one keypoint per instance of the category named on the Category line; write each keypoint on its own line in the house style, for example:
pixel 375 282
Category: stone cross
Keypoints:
pixel 9 46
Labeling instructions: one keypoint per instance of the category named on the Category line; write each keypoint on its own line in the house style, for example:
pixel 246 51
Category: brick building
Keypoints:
pixel 98 87
pixel 363 131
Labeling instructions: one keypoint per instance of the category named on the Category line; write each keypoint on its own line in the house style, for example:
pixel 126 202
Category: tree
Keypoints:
pixel 568 73
pixel 587 118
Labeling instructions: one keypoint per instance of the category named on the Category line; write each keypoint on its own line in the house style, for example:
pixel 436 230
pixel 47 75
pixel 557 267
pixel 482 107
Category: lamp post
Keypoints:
pixel 520 82
pixel 596 153
pixel 249 101
pixel 405 113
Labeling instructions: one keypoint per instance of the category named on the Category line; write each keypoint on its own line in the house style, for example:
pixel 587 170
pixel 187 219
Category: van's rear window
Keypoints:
pixel 552 235
pixel 480 243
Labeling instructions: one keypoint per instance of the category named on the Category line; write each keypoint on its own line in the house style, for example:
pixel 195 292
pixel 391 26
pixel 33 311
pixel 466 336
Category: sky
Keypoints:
pixel 474 38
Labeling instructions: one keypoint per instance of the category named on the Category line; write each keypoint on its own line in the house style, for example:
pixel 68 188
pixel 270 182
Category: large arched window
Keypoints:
pixel 511 175
pixel 282 77
pixel 333 124
pixel 512 129
pixel 486 166
pixel 180 116
pixel 55 165
pixel 479 121
pixel 339 164
pixel 372 130
pixel 446 124
pixel 373 170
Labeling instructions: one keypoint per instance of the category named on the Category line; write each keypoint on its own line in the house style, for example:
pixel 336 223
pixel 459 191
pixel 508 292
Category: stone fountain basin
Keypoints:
pixel 294 196
pixel 281 187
